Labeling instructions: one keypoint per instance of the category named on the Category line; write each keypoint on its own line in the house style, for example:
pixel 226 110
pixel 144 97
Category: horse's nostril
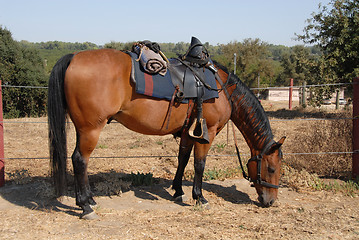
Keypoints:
pixel 265 203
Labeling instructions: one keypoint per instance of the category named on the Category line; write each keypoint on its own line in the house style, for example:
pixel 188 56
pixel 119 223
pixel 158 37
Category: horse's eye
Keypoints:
pixel 271 169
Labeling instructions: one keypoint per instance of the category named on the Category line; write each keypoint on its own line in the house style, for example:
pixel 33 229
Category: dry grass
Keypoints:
pixel 324 136
pixel 316 139
pixel 150 213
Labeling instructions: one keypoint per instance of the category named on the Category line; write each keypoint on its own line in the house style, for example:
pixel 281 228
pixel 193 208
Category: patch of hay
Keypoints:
pixel 325 136
pixel 19 177
pixel 295 179
pixel 110 183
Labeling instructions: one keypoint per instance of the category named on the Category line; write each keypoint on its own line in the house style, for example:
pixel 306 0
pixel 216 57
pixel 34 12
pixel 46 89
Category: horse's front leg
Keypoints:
pixel 185 150
pixel 200 154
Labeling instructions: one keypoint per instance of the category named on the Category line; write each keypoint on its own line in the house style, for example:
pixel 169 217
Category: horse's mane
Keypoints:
pixel 247 112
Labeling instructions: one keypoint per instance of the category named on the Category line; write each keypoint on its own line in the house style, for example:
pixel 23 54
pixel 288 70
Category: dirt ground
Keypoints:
pixel 28 210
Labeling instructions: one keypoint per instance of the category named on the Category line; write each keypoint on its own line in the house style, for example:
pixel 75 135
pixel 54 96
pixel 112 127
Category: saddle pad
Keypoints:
pixel 159 86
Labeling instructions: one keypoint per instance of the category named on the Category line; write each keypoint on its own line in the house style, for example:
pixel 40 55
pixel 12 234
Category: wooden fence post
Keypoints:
pixel 290 94
pixel 355 169
pixel 2 161
pixel 304 95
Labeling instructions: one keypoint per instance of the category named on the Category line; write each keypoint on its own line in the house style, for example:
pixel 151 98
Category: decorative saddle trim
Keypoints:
pixel 163 87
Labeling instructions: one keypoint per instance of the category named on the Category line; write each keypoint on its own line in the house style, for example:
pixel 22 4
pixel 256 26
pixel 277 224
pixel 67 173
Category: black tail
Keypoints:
pixel 57 116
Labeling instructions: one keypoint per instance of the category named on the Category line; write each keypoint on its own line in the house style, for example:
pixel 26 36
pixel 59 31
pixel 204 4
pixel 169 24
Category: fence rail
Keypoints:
pixel 209 155
pixel 175 156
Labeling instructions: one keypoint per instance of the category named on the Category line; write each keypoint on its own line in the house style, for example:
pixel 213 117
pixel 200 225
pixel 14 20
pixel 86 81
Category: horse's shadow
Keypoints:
pixel 229 194
pixel 29 195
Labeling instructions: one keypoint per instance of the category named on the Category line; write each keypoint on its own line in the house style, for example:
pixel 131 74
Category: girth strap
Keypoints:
pixel 171 104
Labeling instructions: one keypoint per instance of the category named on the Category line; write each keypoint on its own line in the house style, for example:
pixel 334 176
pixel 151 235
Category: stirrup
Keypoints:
pixel 199 131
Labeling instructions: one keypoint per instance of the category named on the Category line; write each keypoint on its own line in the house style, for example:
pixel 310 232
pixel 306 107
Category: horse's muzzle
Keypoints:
pixel 266 202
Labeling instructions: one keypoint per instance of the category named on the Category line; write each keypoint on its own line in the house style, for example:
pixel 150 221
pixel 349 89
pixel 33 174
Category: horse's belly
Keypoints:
pixel 152 119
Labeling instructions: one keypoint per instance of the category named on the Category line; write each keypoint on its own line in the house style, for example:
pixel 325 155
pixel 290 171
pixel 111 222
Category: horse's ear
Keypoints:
pixel 277 145
pixel 281 141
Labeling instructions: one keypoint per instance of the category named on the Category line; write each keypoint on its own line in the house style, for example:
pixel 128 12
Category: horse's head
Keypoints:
pixel 264 172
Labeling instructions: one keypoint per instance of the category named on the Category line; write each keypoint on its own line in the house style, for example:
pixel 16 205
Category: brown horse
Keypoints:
pixel 93 87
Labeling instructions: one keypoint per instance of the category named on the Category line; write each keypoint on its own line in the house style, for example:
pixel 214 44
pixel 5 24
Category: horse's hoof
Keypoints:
pixel 90 216
pixel 202 205
pixel 182 198
pixel 206 206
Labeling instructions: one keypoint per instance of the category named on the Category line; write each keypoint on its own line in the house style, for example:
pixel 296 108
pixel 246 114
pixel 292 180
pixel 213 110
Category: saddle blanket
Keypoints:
pixel 158 86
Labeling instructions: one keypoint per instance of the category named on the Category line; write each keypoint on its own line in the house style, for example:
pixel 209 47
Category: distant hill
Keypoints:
pixel 51 51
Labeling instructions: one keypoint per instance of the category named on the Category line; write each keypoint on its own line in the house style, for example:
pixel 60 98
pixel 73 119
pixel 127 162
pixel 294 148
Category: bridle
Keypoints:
pixel 258 158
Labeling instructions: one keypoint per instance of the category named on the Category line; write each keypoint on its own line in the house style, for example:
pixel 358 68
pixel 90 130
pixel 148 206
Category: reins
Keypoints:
pixel 238 154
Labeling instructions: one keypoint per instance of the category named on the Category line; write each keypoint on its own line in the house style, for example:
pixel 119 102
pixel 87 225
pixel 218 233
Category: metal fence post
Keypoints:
pixel 355 169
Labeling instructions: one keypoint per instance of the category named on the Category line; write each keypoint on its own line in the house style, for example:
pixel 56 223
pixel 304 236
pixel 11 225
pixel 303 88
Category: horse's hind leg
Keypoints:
pixel 186 146
pixel 85 144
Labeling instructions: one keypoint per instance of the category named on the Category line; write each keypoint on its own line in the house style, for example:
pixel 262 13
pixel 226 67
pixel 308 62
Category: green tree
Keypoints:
pixel 297 64
pixel 52 51
pixel 227 56
pixel 119 45
pixel 254 60
pixel 21 66
pixel 303 65
pixel 335 29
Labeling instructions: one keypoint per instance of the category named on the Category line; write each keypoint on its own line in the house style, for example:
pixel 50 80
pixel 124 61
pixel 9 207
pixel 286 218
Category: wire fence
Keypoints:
pixel 175 156
pixel 306 86
pixel 264 88
pixel 209 155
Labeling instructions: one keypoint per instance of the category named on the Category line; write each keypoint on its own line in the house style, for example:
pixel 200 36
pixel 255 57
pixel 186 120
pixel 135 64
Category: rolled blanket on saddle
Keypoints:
pixel 151 58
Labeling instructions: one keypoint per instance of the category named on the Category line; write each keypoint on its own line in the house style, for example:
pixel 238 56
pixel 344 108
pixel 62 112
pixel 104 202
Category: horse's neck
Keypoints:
pixel 254 141
pixel 249 117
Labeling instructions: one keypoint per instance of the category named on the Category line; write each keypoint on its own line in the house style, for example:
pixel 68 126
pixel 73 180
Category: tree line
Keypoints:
pixel 332 57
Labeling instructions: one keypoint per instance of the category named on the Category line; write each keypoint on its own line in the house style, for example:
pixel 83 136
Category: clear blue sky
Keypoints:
pixel 100 22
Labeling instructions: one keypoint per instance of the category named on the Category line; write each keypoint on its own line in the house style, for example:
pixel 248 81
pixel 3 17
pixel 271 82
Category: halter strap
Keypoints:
pixel 258 159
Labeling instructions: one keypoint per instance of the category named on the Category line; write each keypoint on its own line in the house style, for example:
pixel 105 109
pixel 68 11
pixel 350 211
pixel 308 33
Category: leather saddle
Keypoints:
pixel 192 75
pixel 188 79
pixel 190 72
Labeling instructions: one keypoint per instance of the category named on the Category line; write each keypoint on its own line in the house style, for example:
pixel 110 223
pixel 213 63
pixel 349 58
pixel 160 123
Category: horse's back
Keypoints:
pixel 98 87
